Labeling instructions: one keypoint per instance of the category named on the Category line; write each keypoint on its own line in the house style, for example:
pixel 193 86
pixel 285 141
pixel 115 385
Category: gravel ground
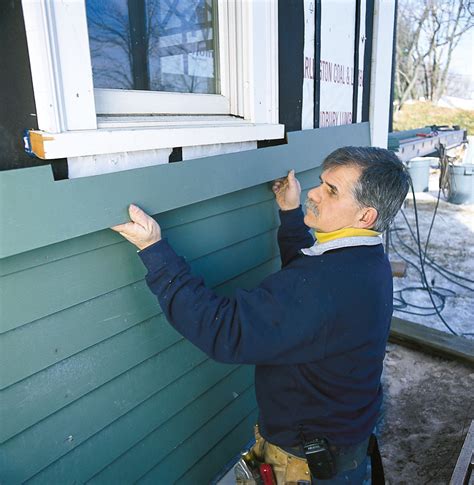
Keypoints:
pixel 429 405
pixel 429 401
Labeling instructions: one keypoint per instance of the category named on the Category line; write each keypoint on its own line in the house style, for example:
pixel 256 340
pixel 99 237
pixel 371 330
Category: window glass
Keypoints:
pixel 158 45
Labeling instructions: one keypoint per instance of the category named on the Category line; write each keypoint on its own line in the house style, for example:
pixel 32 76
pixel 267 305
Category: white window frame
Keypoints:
pixel 69 109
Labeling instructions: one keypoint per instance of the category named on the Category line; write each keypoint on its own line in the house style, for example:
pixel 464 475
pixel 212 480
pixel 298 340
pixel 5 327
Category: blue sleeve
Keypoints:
pixel 293 235
pixel 254 327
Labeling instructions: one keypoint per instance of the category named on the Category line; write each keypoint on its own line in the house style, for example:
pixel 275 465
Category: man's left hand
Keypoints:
pixel 143 230
pixel 287 192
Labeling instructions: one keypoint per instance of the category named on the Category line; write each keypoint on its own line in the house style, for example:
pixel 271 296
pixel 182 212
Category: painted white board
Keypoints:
pixel 307 112
pixel 337 62
pixel 362 42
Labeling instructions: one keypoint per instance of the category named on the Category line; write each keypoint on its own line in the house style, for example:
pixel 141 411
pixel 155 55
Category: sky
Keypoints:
pixel 463 57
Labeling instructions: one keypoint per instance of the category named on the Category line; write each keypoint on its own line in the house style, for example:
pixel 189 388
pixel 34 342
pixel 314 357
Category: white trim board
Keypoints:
pixel 94 142
pixel 58 43
pixel 120 101
pixel 381 75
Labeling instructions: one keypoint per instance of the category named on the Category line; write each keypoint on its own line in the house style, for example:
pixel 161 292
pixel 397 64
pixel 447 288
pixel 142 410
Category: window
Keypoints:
pixel 153 45
pixel 145 74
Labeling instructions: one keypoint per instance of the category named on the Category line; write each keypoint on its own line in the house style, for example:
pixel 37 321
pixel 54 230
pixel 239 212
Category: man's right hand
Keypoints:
pixel 287 192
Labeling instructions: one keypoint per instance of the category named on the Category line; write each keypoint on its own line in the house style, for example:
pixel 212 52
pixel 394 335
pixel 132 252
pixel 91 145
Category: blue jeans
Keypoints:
pixel 346 457
pixel 357 476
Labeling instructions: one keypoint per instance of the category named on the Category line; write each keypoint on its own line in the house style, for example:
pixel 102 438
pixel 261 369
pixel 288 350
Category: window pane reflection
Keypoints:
pixel 159 45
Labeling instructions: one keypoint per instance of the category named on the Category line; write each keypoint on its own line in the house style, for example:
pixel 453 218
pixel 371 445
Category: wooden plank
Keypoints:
pixel 203 382
pixel 117 266
pixel 431 340
pixel 56 337
pixel 37 397
pixel 53 287
pixel 56 435
pixel 250 279
pixel 55 252
pixel 49 391
pixel 464 469
pixel 192 240
pixel 236 260
pixel 57 211
pixel 197 428
pixel 168 220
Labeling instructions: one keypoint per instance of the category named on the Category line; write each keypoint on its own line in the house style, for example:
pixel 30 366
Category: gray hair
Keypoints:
pixel 383 183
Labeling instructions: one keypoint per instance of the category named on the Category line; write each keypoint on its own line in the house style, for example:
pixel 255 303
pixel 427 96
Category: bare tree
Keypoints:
pixel 428 31
pixel 410 20
pixel 110 45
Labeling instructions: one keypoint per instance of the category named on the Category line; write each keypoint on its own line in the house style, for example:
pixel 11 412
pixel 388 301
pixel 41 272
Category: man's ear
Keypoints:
pixel 367 219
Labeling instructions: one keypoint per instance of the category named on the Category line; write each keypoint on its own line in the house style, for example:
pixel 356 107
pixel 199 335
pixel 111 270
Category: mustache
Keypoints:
pixel 311 206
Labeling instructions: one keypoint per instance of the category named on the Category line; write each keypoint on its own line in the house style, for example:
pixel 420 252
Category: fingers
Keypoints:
pixel 126 227
pixel 117 228
pixel 279 184
pixel 138 215
pixel 142 231
pixel 276 187
pixel 292 180
pixel 285 182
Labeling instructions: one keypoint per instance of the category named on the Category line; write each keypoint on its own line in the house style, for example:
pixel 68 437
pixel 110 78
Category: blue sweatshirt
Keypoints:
pixel 316 331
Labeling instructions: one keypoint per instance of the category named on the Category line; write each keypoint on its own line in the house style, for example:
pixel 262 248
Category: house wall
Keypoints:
pixel 95 384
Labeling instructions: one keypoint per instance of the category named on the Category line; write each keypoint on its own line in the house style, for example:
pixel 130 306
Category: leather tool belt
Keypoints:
pixel 290 465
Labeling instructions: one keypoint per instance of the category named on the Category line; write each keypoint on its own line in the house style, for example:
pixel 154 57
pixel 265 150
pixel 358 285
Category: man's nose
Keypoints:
pixel 313 194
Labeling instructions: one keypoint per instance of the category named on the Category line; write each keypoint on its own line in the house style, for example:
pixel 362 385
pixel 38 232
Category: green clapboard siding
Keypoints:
pixel 204 470
pixel 95 384
pixel 124 433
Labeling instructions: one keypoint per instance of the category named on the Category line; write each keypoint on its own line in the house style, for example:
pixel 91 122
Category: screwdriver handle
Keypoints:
pixel 266 472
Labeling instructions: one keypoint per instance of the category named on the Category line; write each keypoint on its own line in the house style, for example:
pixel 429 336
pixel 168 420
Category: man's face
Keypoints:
pixel 331 205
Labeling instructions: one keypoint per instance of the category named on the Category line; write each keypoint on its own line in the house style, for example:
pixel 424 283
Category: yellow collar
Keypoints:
pixel 323 237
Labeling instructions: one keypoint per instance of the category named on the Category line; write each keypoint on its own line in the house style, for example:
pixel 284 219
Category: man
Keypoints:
pixel 324 317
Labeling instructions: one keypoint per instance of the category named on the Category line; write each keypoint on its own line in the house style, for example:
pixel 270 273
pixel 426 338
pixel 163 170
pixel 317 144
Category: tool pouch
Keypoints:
pixel 259 446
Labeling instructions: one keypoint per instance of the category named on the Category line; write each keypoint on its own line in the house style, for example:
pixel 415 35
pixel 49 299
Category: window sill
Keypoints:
pixel 78 143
